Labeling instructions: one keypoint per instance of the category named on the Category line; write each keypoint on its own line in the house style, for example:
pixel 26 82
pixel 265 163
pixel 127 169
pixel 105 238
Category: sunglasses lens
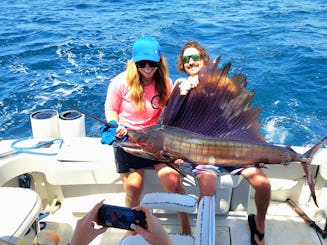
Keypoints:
pixel 142 63
pixel 195 57
pixel 153 63
pixel 186 59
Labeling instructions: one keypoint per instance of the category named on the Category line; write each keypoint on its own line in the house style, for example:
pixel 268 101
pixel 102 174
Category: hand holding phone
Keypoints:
pixel 120 217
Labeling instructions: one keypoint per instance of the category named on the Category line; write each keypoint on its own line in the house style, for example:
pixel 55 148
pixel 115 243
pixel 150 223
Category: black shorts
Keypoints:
pixel 236 170
pixel 126 162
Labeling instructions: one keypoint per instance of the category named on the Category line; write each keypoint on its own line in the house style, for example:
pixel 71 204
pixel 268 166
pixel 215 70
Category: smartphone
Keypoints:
pixel 120 217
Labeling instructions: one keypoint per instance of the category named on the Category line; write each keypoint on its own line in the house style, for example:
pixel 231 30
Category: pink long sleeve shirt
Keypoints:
pixel 118 100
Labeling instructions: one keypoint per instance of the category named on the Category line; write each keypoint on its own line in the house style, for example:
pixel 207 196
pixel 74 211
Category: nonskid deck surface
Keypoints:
pixel 283 226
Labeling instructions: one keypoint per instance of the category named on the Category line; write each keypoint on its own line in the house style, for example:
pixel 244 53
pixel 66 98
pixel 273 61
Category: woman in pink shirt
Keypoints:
pixel 135 99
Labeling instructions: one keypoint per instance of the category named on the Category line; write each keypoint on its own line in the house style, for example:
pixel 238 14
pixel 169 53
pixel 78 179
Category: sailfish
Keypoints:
pixel 215 124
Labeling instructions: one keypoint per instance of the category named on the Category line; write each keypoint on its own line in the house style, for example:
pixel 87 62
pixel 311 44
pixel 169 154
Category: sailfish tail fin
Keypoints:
pixel 307 158
pixel 309 154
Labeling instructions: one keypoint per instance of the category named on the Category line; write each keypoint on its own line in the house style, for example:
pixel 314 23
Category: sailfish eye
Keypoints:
pixel 140 137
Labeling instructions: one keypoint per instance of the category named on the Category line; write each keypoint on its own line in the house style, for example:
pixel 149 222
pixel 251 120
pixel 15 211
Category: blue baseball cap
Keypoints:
pixel 146 48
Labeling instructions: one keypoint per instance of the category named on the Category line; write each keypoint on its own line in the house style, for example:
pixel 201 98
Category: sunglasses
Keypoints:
pixel 142 63
pixel 195 57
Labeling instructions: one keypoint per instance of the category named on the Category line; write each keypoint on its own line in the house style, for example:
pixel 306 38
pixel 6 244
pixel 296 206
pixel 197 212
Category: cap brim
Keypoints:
pixel 154 58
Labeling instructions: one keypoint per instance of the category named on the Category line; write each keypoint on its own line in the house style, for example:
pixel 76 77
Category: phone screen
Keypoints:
pixel 120 217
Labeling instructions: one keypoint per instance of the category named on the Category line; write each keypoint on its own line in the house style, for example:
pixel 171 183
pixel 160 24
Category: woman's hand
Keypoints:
pixel 154 233
pixel 121 131
pixel 85 231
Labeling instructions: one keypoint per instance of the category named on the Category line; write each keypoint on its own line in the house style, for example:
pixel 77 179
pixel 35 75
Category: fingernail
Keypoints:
pixel 132 226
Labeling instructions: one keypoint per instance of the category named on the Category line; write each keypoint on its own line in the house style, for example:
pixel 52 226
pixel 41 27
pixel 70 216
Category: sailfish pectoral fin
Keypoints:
pixel 176 169
pixel 167 157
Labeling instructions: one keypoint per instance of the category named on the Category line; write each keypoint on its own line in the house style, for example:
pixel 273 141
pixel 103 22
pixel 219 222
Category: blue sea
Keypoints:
pixel 53 51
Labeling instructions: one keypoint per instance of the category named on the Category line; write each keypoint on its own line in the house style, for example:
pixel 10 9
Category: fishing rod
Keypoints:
pixel 89 115
pixel 306 218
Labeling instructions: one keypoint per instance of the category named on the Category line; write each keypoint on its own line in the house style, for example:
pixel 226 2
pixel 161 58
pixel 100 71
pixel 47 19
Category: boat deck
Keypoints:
pixel 282 224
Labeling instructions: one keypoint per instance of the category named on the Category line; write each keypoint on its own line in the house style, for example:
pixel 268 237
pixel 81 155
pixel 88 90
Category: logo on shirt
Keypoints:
pixel 155 102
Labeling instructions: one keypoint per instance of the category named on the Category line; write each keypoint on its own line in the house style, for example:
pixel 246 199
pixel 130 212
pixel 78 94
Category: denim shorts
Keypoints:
pixel 215 169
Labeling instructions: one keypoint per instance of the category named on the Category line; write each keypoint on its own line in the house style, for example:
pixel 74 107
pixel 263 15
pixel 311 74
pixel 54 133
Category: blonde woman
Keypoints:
pixel 135 99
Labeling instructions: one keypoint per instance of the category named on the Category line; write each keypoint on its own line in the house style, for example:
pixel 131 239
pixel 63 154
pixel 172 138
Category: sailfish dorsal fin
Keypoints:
pixel 220 106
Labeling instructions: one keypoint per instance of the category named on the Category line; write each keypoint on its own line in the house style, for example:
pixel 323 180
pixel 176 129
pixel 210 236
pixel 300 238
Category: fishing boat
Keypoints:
pixel 49 181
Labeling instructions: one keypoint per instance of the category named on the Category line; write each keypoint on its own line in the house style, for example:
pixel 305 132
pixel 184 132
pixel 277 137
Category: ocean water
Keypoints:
pixel 53 51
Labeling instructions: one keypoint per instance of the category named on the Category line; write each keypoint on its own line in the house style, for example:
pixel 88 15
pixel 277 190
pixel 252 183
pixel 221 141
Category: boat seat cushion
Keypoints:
pixel 205 223
pixel 177 239
pixel 323 170
pixel 170 202
pixel 19 209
